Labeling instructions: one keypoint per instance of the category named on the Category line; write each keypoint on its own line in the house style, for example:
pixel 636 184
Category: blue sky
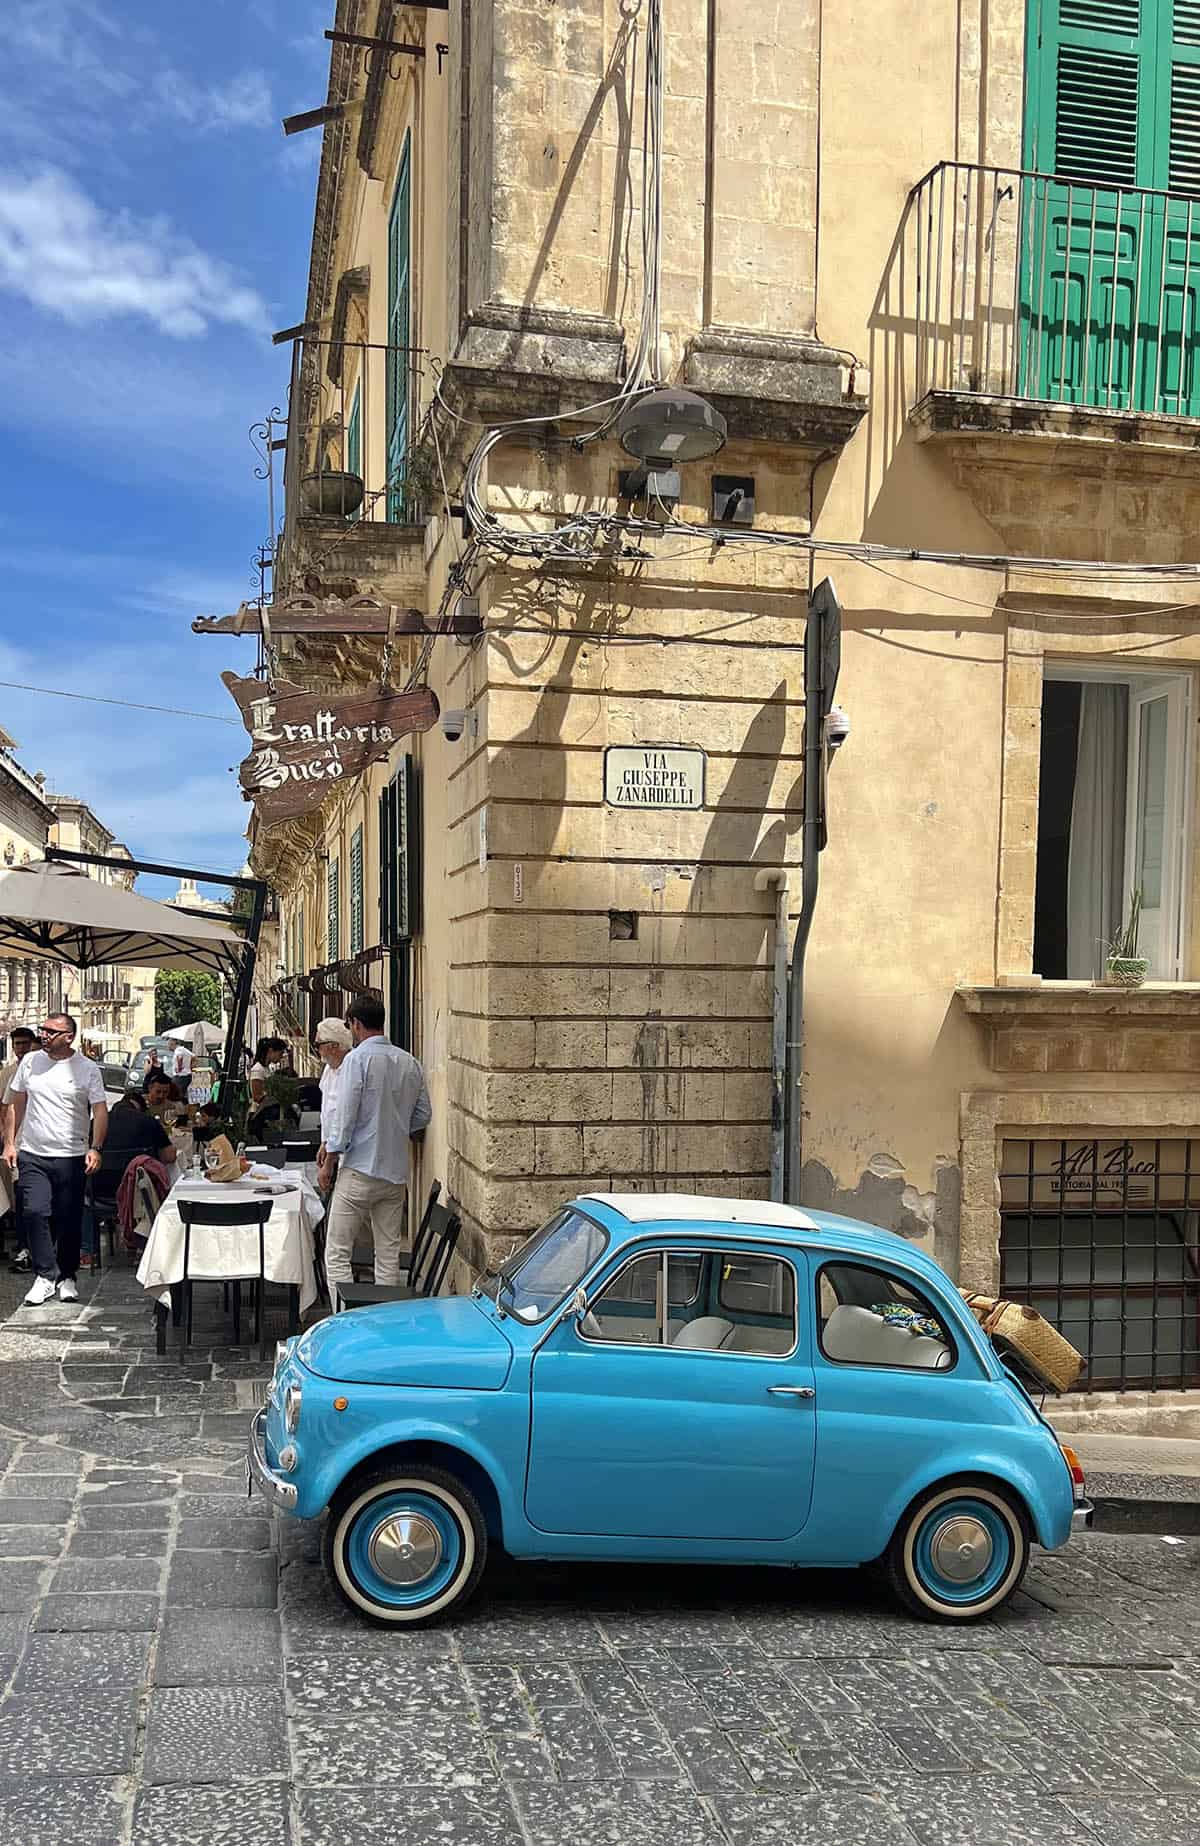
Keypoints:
pixel 154 229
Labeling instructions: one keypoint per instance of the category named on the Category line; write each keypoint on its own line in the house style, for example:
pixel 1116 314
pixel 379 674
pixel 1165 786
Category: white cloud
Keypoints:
pixel 64 254
pixel 243 102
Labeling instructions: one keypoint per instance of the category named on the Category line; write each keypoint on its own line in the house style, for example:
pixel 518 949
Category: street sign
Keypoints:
pixel 653 776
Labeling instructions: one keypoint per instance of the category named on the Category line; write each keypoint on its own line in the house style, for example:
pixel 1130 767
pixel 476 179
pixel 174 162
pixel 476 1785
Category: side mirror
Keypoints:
pixel 579 1303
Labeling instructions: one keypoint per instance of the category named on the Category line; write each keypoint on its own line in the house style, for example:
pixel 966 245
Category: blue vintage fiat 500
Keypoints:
pixel 669 1378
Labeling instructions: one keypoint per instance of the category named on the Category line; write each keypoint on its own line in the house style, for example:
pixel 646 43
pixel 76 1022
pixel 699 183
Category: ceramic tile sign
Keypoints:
pixel 653 776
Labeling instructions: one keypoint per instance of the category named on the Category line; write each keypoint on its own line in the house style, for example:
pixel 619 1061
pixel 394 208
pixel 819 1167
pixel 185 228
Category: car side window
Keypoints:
pixel 868 1316
pixel 717 1301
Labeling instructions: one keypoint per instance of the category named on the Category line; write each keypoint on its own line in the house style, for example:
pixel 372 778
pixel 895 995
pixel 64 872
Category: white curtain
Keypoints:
pixel 1096 858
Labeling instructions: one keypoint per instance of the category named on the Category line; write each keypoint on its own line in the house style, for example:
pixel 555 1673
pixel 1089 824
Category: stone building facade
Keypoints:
pixel 946 305
pixel 27 988
pixel 114 1005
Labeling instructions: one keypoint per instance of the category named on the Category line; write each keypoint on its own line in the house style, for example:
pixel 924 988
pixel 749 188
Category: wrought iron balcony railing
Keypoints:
pixel 107 993
pixel 1041 287
pixel 352 410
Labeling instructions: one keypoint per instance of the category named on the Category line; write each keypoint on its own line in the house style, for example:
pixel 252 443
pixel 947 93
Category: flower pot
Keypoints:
pixel 1125 970
pixel 332 493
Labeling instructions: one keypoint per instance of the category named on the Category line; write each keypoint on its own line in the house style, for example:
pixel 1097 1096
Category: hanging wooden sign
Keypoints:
pixel 305 742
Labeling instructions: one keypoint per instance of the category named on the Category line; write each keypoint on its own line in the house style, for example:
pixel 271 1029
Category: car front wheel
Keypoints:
pixel 959 1552
pixel 406 1546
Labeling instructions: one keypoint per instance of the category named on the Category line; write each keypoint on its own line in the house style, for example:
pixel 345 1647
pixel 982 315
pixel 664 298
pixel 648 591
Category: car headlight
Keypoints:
pixel 291 1408
pixel 288 1457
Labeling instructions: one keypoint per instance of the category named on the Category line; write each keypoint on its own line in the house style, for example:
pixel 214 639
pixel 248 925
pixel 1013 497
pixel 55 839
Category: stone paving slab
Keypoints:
pixel 175 1666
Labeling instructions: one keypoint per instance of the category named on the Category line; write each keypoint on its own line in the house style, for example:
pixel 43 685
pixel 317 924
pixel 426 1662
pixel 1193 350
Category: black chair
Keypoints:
pixel 299 1148
pixel 362 1257
pixel 425 1278
pixel 101 1196
pixel 223 1215
pixel 267 1156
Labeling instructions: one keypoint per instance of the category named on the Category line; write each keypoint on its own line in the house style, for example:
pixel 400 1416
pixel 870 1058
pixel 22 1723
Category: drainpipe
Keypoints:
pixel 777 880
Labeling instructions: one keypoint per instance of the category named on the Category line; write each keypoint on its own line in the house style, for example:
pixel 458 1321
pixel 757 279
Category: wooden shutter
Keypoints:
pixel 399 325
pixel 400 856
pixel 356 891
pixel 1183 106
pixel 1092 90
pixel 333 915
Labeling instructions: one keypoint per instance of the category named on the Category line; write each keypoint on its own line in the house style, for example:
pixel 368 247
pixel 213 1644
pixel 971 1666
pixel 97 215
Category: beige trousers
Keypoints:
pixel 360 1205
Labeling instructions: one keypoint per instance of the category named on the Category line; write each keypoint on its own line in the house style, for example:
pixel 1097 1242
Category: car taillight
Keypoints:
pixel 1076 1466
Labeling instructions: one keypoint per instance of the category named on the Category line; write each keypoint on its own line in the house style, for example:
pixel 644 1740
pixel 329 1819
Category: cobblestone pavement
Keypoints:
pixel 175 1667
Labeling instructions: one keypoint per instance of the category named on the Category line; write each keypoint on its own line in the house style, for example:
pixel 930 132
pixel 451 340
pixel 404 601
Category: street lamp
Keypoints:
pixel 662 430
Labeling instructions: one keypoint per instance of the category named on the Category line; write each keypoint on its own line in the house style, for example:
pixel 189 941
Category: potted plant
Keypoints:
pixel 332 493
pixel 1123 966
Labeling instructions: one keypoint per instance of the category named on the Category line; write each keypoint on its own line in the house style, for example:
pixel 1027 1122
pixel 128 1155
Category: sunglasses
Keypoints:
pixel 53 1032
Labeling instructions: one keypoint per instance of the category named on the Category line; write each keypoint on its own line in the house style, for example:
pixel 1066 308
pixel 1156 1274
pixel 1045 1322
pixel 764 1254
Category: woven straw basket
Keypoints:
pixel 1047 1354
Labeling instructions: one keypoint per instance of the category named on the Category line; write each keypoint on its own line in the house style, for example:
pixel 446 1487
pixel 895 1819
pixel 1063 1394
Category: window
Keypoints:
pixel 715 1301
pixel 544 1271
pixel 1111 812
pixel 333 919
pixel 870 1317
pixel 356 891
pixel 1109 279
pixel 399 333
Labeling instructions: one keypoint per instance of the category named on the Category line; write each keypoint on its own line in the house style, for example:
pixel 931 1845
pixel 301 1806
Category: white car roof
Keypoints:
pixel 652 1207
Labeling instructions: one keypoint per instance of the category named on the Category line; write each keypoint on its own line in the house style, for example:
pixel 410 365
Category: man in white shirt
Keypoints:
pixel 181 1070
pixel 21 1043
pixel 57 1097
pixel 381 1103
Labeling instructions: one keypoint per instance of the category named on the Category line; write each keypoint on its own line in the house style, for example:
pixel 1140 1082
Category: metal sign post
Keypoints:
pixel 822 664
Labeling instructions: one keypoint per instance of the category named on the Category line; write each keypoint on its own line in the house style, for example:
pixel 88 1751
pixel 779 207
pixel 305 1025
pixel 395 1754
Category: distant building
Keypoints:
pixel 28 989
pixel 114 1005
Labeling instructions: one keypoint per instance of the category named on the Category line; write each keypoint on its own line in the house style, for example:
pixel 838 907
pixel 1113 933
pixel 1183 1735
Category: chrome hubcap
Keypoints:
pixel 405 1548
pixel 961 1549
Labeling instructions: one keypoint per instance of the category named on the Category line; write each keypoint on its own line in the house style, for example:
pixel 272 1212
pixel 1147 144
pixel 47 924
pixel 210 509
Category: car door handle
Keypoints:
pixel 791 1391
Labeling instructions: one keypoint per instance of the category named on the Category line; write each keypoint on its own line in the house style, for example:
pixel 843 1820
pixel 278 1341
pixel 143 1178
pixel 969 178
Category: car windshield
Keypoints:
pixel 554 1261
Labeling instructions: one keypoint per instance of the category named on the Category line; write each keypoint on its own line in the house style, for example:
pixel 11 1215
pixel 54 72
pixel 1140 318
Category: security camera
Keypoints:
pixel 454 723
pixel 837 728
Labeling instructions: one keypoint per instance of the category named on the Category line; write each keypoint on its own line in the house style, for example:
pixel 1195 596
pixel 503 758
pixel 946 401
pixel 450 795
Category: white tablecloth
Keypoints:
pixel 232 1250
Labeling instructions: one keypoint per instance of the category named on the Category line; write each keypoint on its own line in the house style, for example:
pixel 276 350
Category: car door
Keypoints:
pixel 895 1388
pixel 681 1405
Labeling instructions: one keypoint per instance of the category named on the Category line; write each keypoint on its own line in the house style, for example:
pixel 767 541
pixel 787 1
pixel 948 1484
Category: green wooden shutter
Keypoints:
pixel 400 855
pixel 1183 105
pixel 333 919
pixel 356 892
pixel 399 331
pixel 1109 267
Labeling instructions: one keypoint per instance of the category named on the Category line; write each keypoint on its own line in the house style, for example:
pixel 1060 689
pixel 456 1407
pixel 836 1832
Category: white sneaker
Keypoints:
pixel 67 1290
pixel 41 1292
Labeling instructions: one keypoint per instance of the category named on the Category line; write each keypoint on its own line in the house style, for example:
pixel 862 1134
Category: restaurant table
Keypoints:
pixel 231 1252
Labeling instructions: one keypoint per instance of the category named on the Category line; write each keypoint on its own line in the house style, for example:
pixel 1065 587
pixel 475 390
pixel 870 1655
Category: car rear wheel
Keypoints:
pixel 959 1552
pixel 406 1546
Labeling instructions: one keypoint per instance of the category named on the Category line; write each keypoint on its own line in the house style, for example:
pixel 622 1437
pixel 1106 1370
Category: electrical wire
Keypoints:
pixel 94 698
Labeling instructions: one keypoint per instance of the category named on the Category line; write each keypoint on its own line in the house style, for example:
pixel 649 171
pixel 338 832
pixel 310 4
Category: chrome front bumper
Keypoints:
pixel 272 1486
pixel 1081 1518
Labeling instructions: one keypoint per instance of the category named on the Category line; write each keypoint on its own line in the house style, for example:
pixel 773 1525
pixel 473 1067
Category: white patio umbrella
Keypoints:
pixel 210 1035
pixel 53 912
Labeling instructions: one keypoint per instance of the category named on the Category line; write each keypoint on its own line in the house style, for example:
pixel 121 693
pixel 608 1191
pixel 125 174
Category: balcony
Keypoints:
pixel 107 993
pixel 354 480
pixel 1051 324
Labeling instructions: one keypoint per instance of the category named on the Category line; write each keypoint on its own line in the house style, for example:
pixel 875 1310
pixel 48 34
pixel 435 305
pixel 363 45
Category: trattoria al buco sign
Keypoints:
pixel 305 743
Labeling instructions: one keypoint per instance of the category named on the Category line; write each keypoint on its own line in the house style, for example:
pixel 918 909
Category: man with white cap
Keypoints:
pixel 333 1042
pixel 380 1106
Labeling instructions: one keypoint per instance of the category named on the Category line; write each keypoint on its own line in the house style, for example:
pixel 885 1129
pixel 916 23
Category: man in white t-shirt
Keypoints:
pixel 181 1070
pixel 57 1098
